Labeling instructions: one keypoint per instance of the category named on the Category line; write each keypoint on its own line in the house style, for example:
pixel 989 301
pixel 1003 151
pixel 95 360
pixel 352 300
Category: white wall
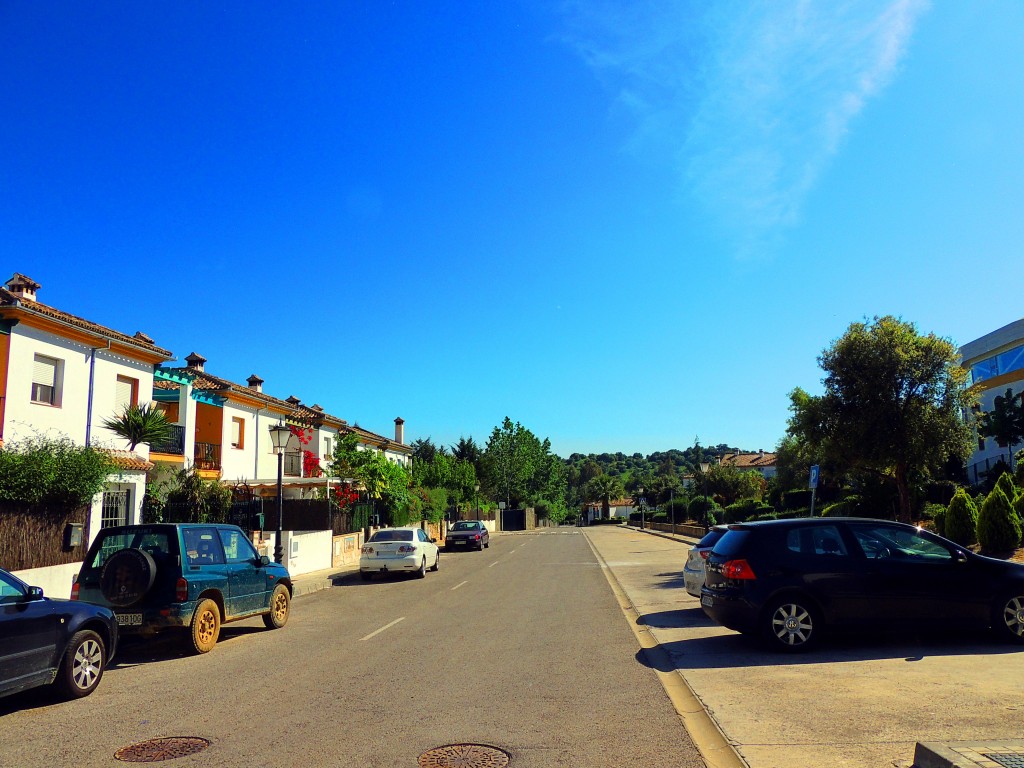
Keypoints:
pixel 23 418
pixel 55 580
pixel 306 551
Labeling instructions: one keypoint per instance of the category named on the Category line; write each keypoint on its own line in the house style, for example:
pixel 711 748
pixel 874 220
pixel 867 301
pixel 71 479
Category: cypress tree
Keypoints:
pixel 998 526
pixel 961 522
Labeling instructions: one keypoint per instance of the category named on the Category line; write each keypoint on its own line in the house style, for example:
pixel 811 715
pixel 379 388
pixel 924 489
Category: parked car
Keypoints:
pixel 790 581
pixel 399 550
pixel 467 534
pixel 693 571
pixel 44 641
pixel 175 576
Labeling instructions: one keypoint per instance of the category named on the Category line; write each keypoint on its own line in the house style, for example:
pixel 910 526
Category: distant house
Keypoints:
pixel 761 462
pixel 617 508
pixel 63 376
pixel 996 363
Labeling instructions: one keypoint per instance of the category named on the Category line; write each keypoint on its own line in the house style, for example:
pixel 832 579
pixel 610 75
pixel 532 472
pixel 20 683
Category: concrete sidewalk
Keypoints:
pixel 314 581
pixel 688 540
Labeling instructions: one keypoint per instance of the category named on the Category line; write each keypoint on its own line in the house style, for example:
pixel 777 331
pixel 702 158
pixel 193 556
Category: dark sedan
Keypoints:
pixel 790 581
pixel 467 534
pixel 44 641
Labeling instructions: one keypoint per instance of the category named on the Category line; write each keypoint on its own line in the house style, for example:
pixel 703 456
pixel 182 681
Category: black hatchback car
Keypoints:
pixel 790 581
pixel 44 641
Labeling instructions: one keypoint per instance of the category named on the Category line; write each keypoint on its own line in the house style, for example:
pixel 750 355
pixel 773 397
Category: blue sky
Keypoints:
pixel 625 225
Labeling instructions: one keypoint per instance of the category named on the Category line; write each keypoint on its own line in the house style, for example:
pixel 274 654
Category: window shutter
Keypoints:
pixel 44 371
pixel 122 393
pixel 236 432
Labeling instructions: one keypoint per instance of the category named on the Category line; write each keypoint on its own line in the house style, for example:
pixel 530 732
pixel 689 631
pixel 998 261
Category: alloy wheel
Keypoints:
pixel 87 664
pixel 1013 616
pixel 792 624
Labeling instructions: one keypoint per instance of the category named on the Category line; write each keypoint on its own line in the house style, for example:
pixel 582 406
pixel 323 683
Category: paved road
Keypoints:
pixel 521 646
pixel 854 703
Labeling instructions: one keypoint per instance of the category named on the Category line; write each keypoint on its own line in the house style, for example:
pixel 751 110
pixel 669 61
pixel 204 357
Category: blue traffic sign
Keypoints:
pixel 813 482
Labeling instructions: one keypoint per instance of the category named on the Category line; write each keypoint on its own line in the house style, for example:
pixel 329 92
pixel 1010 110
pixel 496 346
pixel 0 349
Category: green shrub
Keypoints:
pixel 847 507
pixel 744 509
pixel 930 510
pixel 796 499
pixel 1018 507
pixel 939 519
pixel 703 511
pixel 961 520
pixel 659 517
pixel 998 526
pixel 1005 484
pixel 43 471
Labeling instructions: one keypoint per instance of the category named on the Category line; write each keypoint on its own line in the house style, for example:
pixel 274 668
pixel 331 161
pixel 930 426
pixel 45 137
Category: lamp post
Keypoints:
pixel 641 505
pixel 704 467
pixel 476 499
pixel 672 507
pixel 279 435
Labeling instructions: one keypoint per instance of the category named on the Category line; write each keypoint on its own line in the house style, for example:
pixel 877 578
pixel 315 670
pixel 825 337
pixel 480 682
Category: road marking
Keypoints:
pixel 493 564
pixel 386 626
pixel 458 585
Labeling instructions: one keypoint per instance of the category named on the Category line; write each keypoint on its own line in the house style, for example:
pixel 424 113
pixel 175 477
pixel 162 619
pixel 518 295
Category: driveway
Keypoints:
pixel 859 702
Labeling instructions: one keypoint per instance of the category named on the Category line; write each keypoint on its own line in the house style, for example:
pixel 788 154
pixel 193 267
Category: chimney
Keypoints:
pixel 255 382
pixel 196 362
pixel 400 430
pixel 23 287
pixel 760 452
pixel 293 400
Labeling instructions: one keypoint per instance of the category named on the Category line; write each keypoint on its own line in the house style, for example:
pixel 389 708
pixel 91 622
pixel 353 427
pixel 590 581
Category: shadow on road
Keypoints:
pixel 678 619
pixel 734 651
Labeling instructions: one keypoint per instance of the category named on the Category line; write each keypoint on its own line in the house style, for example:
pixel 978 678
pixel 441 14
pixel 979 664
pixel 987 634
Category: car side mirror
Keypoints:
pixel 264 561
pixel 34 593
pixel 433 541
pixel 959 556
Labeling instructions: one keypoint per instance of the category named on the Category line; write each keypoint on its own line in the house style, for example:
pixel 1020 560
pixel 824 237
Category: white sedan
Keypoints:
pixel 399 550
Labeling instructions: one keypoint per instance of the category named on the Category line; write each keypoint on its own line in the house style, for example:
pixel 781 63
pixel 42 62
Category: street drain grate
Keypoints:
pixel 1008 759
pixel 464 756
pixel 155 750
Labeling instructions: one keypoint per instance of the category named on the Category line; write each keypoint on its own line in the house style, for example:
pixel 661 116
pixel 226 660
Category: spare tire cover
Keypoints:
pixel 127 576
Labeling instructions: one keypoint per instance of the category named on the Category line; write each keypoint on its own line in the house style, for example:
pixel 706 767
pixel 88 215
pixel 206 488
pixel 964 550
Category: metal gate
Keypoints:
pixel 115 509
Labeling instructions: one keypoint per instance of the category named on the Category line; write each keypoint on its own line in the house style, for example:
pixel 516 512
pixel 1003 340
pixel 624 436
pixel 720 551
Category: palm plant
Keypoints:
pixel 140 424
pixel 603 488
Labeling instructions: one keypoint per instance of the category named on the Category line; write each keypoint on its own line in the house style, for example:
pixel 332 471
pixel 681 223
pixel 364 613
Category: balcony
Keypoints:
pixel 293 464
pixel 207 456
pixel 174 444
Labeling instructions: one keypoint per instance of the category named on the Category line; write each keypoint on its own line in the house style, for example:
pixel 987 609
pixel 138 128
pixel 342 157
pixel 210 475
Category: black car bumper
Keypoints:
pixel 730 610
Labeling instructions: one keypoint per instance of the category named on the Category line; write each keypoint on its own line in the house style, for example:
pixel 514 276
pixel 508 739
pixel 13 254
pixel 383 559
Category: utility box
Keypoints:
pixel 73 535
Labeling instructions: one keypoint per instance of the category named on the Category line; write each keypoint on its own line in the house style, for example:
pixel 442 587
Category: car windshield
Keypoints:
pixel 392 536
pixel 155 541
pixel 710 539
pixel 465 526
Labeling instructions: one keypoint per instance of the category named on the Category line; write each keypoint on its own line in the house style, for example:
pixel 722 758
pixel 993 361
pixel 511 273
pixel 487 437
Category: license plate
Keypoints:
pixel 459 542
pixel 707 600
pixel 129 619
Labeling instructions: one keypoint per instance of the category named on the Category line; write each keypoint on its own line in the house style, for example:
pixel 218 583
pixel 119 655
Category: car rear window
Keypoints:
pixel 732 543
pixel 392 536
pixel 710 538
pixel 155 541
pixel 463 526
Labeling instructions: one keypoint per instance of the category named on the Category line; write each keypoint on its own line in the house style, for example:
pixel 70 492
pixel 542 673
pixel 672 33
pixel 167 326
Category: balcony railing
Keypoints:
pixel 207 456
pixel 174 444
pixel 293 464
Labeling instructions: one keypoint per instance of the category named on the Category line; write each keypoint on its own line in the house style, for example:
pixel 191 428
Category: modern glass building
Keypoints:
pixel 996 363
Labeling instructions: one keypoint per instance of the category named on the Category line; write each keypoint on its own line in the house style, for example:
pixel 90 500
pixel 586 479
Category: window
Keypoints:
pixel 237 432
pixel 126 393
pixel 816 540
pixel 237 548
pixel 115 509
pixel 46 380
pixel 202 546
pixel 881 542
pixel 10 590
pixel 328 448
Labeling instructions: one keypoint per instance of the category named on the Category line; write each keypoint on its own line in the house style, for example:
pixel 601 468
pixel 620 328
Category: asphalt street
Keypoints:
pixel 522 646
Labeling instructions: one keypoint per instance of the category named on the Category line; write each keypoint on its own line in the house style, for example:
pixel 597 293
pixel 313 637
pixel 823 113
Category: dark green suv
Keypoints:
pixel 182 576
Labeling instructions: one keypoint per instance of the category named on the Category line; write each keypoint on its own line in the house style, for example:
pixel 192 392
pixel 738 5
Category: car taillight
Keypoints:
pixel 181 591
pixel 367 550
pixel 476 537
pixel 737 569
pixel 406 548
pixel 704 553
pixel 74 591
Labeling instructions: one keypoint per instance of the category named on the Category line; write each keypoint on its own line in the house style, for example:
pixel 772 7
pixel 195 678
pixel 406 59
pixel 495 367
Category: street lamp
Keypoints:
pixel 279 435
pixel 641 505
pixel 476 499
pixel 704 467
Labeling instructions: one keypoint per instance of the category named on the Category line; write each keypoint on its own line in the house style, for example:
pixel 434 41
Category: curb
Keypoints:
pixel 302 586
pixel 664 535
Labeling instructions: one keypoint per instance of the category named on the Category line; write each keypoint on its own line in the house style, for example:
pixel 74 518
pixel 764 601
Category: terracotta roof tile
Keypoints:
pixel 9 300
pixel 749 460
pixel 127 459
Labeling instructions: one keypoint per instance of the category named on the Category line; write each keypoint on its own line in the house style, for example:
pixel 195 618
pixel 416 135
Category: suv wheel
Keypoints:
pixel 127 576
pixel 280 604
pixel 1008 616
pixel 83 664
pixel 791 624
pixel 205 627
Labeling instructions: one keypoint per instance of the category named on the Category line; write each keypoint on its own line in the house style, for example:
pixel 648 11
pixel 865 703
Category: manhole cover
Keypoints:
pixel 1008 759
pixel 155 750
pixel 464 756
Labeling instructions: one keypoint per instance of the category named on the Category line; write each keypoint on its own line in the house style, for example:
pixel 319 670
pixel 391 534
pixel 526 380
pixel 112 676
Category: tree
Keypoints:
pixel 892 404
pixel 509 460
pixel 603 489
pixel 961 521
pixel 998 525
pixel 140 424
pixel 1005 422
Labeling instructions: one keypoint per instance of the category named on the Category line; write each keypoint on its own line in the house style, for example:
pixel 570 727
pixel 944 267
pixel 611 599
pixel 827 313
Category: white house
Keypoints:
pixel 996 363
pixel 62 376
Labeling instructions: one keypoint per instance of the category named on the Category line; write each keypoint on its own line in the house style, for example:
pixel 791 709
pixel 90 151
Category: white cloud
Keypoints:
pixel 751 99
